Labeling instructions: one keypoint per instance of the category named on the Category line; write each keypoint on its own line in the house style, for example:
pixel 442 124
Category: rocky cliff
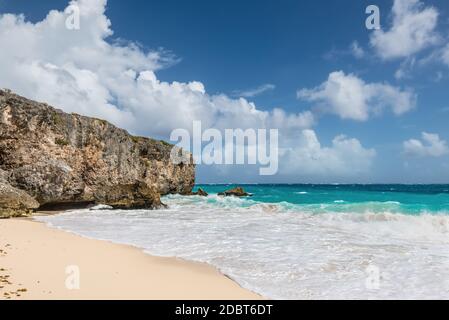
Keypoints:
pixel 50 157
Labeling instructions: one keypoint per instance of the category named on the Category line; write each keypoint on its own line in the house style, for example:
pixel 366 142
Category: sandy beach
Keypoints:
pixel 39 262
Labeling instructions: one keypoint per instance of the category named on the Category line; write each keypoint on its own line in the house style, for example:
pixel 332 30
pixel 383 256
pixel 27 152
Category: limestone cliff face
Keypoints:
pixel 57 157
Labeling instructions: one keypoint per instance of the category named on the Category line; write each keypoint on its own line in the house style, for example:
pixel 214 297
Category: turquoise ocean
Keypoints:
pixel 297 241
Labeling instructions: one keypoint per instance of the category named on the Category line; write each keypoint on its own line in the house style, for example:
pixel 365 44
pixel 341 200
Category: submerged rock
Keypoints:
pixel 56 157
pixel 235 192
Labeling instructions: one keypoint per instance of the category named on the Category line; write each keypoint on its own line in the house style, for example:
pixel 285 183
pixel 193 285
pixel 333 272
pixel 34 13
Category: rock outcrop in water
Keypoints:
pixel 200 193
pixel 49 157
pixel 235 192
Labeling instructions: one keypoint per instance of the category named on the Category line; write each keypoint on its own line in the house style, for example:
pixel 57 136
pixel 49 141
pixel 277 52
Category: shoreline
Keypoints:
pixel 41 262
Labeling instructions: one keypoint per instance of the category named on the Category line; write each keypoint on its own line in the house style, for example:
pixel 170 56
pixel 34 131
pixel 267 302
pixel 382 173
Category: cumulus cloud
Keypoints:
pixel 255 91
pixel 431 145
pixel 352 98
pixel 84 71
pixel 346 156
pixel 412 30
pixel 87 72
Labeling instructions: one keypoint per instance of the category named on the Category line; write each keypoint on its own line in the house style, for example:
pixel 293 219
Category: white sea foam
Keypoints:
pixel 283 252
pixel 101 207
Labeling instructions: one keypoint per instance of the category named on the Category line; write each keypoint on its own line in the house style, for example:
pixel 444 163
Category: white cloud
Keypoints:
pixel 351 98
pixel 412 30
pixel 346 156
pixel 255 91
pixel 405 69
pixel 431 145
pixel 356 50
pixel 437 56
pixel 81 71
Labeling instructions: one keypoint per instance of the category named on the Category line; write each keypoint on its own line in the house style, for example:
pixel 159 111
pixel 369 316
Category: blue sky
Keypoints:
pixel 277 49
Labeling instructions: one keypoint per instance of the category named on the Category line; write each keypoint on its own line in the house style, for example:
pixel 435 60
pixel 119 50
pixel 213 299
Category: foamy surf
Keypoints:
pixel 289 251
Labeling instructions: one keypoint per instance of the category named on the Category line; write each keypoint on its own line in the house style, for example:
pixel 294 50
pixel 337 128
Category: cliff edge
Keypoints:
pixel 49 157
